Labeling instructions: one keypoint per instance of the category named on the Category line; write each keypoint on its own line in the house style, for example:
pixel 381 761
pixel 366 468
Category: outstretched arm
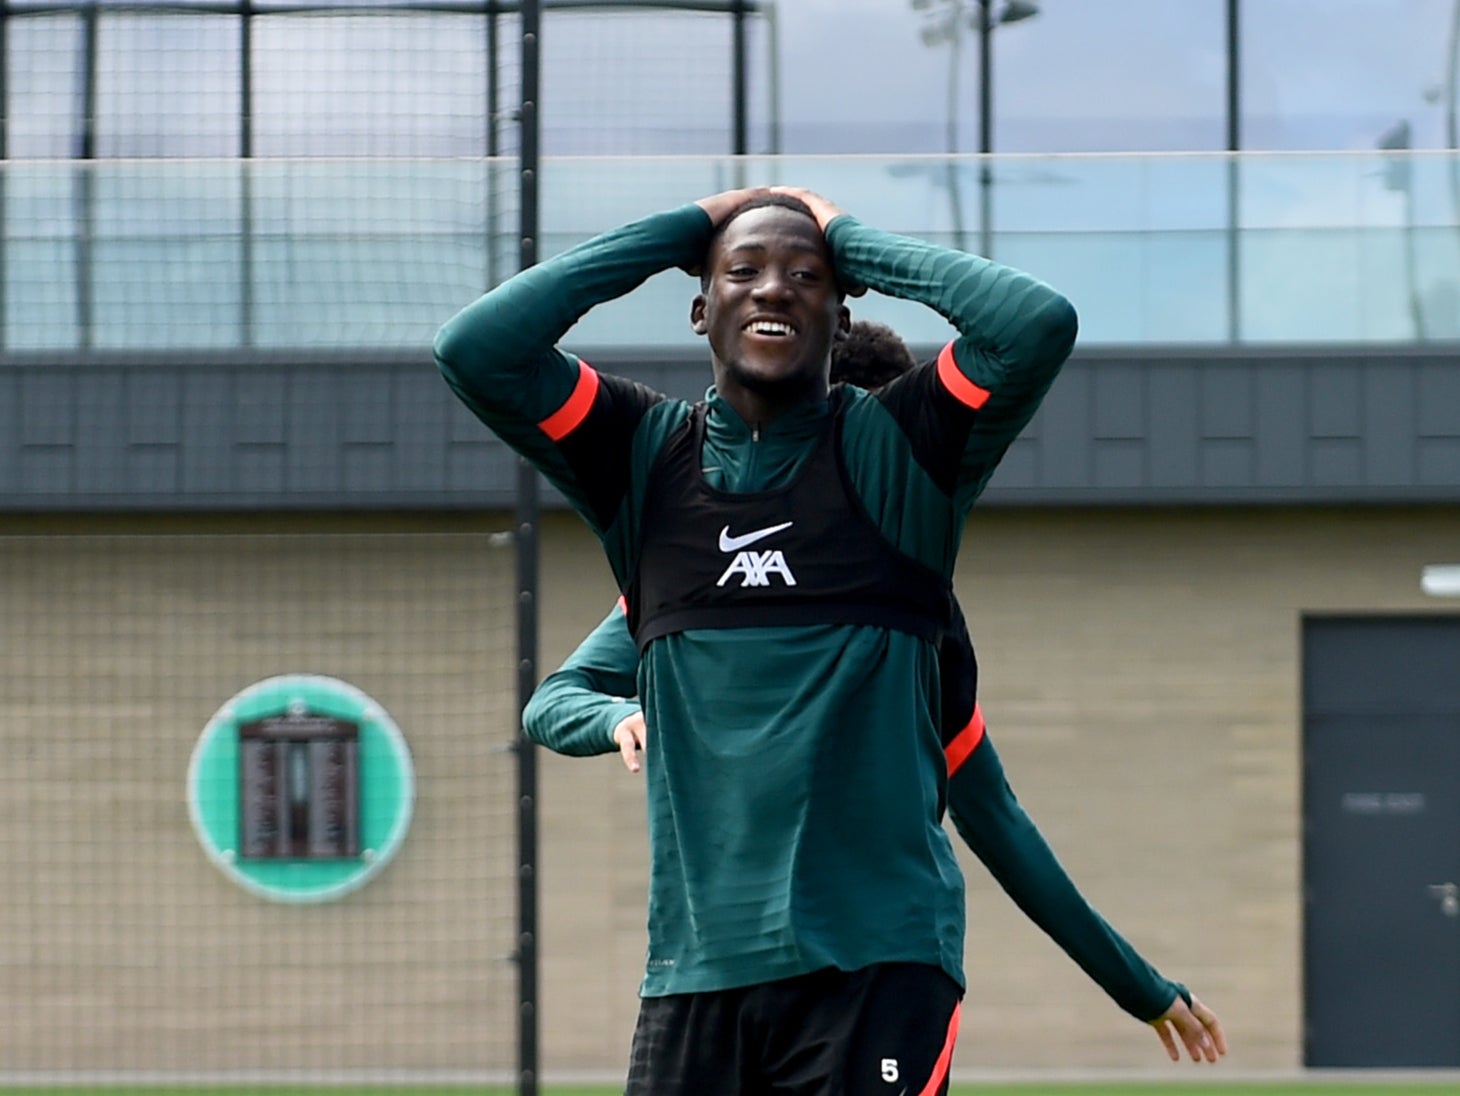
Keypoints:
pixel 586 706
pixel 1001 834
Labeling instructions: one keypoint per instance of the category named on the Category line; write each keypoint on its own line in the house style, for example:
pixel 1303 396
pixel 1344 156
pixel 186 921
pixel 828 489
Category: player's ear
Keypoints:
pixel 697 320
pixel 843 322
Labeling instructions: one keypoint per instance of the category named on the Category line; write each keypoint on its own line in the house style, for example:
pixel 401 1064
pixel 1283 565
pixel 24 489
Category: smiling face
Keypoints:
pixel 771 310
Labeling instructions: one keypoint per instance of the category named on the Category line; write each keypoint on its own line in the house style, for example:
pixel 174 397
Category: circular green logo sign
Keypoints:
pixel 300 788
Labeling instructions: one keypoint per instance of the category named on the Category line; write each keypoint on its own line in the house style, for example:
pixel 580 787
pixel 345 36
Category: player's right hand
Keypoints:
pixel 1198 1028
pixel 631 732
pixel 722 205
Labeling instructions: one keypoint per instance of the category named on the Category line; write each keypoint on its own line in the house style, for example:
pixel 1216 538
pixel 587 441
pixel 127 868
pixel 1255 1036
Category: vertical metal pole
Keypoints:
pixel 4 156
pixel 1452 76
pixel 494 83
pixel 1234 196
pixel 1416 302
pixel 245 178
pixel 494 106
pixel 85 196
pixel 773 47
pixel 950 133
pixel 740 133
pixel 1452 109
pixel 86 138
pixel 527 612
pixel 985 128
pixel 245 79
pixel 4 81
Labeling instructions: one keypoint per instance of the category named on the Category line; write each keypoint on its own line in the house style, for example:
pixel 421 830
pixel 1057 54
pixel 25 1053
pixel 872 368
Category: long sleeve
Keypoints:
pixel 1014 332
pixel 575 709
pixel 500 353
pixel 1005 839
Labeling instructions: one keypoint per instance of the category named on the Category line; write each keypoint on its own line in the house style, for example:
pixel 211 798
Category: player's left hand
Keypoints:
pixel 1198 1027
pixel 631 732
pixel 825 211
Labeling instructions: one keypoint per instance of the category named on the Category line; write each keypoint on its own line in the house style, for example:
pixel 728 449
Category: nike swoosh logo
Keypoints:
pixel 734 544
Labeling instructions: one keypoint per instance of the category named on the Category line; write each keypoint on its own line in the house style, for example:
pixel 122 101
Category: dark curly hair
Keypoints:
pixel 871 355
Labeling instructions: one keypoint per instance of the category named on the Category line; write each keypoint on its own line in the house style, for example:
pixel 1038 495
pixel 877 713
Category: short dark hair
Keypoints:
pixel 768 201
pixel 871 355
pixel 765 201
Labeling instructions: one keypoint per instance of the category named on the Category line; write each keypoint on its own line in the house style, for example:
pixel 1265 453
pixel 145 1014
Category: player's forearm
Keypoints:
pixel 576 707
pixel 1014 331
pixel 1004 838
pixel 497 353
pixel 569 719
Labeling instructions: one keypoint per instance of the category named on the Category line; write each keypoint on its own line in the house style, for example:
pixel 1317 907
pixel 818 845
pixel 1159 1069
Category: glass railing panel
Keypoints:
pixel 165 292
pixel 41 310
pixel 1348 285
pixel 137 255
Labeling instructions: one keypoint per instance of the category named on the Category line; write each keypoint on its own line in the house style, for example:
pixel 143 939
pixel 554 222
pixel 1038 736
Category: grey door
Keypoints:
pixel 1381 804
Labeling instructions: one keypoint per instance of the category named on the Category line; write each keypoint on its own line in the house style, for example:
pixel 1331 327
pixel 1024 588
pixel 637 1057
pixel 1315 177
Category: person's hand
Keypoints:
pixel 824 210
pixel 631 733
pixel 721 206
pixel 1198 1027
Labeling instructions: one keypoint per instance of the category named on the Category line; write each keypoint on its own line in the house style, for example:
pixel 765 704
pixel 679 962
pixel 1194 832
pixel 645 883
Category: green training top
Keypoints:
pixel 576 708
pixel 796 790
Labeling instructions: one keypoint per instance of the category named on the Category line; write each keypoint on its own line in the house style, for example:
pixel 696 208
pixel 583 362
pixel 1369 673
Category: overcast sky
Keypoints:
pixel 845 76
pixel 1124 74
pixel 848 75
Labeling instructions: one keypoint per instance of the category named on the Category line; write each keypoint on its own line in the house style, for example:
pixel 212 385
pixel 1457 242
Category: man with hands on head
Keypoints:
pixel 784 550
pixel 586 708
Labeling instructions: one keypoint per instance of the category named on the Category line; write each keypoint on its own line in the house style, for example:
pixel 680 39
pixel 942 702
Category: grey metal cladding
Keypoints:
pixel 1122 426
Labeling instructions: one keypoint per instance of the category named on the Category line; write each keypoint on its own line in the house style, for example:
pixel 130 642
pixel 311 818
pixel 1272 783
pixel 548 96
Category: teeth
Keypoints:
pixel 769 327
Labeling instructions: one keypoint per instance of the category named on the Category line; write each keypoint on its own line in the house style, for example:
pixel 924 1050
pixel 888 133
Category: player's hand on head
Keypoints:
pixel 722 205
pixel 1196 1026
pixel 631 732
pixel 719 207
pixel 823 209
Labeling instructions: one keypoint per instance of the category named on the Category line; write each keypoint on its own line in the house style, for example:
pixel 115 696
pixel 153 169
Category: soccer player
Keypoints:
pixel 584 708
pixel 784 550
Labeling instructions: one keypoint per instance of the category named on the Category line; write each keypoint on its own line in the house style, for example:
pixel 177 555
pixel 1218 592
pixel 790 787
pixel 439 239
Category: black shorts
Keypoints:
pixel 886 1030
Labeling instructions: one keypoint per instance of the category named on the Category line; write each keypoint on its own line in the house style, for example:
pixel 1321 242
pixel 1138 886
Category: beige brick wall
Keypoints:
pixel 122 946
pixel 1140 677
